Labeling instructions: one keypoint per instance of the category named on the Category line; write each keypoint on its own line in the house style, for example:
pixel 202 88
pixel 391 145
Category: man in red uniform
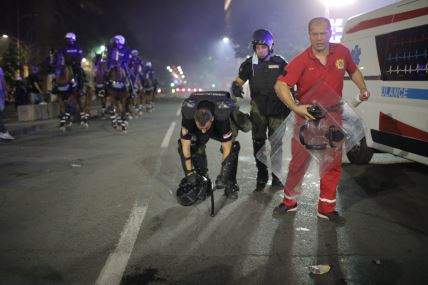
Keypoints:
pixel 325 63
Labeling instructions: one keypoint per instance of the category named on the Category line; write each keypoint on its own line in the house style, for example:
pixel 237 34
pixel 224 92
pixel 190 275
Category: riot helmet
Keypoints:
pixel 119 41
pixel 70 38
pixel 134 53
pixel 263 37
pixel 188 194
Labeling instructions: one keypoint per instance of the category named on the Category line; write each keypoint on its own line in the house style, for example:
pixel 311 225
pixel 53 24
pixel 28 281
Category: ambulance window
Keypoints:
pixel 403 55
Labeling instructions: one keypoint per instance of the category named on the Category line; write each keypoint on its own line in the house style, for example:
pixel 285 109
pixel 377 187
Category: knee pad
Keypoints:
pixel 229 166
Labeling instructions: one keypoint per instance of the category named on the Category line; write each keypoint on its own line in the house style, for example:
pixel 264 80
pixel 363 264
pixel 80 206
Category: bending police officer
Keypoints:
pixel 206 115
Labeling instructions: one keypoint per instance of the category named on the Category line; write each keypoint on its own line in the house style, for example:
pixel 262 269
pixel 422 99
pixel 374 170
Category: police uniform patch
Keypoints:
pixel 340 63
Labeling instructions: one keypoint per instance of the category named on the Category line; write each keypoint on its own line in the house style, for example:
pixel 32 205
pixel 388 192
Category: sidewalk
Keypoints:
pixel 19 129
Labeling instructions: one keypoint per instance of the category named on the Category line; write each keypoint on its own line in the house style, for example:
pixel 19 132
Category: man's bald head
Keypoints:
pixel 317 21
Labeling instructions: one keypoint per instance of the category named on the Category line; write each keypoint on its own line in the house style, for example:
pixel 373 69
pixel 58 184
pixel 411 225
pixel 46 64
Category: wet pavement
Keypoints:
pixel 65 200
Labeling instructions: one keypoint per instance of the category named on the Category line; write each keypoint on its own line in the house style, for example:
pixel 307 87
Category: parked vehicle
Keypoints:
pixel 390 46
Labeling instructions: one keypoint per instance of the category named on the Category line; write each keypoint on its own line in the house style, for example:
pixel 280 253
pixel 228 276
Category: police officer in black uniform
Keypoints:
pixel 267 112
pixel 71 54
pixel 206 115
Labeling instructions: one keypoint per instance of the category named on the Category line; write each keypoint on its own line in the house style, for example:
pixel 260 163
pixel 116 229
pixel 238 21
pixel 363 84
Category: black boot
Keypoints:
pixel 262 171
pixel 276 183
pixel 262 177
pixel 231 191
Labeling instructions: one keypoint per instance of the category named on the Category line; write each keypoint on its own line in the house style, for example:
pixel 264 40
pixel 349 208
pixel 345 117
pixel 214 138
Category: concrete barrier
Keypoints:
pixel 32 112
pixel 53 110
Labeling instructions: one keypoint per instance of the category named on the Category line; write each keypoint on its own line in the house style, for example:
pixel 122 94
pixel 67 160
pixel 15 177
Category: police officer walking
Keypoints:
pixel 267 113
pixel 206 115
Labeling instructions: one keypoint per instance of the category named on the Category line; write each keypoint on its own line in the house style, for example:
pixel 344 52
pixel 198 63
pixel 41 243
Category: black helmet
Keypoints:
pixel 262 37
pixel 188 194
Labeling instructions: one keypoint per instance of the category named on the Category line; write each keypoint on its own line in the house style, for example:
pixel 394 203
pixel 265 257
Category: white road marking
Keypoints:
pixel 178 112
pixel 168 135
pixel 115 266
pixel 112 272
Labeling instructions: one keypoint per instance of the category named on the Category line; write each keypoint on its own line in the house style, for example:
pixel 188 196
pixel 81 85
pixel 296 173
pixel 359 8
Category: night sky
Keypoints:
pixel 185 32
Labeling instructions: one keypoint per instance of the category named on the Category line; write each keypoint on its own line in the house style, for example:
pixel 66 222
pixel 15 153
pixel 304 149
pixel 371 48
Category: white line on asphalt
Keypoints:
pixel 115 266
pixel 112 272
pixel 168 135
pixel 178 112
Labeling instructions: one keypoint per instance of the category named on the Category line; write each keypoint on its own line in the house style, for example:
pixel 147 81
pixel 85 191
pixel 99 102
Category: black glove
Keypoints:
pixel 242 121
pixel 193 179
pixel 237 90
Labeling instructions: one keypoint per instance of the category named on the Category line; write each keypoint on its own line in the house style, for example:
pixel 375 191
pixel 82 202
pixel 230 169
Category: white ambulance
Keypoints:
pixel 390 46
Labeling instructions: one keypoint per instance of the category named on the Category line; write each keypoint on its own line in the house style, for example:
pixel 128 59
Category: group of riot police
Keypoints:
pixel 118 54
pixel 216 115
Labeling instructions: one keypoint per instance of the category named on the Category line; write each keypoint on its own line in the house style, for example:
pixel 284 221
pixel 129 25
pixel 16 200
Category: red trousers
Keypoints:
pixel 329 171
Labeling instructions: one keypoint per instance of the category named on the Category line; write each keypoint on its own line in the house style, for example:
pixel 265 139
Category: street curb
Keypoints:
pixel 20 129
pixel 28 128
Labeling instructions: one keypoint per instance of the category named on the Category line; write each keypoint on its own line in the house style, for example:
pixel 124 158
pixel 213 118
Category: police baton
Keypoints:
pixel 212 214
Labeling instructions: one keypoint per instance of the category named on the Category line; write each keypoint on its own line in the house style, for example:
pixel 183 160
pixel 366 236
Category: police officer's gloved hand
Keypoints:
pixel 237 90
pixel 193 179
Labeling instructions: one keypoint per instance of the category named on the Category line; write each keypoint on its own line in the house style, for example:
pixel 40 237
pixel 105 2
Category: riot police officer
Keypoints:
pixel 148 85
pixel 135 58
pixel 71 54
pixel 267 112
pixel 206 115
pixel 118 53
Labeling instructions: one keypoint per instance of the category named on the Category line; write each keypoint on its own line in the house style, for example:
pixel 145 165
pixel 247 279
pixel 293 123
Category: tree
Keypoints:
pixel 9 60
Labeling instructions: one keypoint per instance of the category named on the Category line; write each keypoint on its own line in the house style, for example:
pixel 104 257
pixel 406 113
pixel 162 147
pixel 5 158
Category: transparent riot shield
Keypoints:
pixel 309 149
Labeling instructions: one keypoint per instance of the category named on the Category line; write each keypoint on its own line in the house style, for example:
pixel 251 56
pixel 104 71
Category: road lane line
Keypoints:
pixel 168 135
pixel 116 263
pixel 112 272
pixel 178 112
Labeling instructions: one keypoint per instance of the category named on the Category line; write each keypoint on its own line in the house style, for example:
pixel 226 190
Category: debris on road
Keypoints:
pixel 319 269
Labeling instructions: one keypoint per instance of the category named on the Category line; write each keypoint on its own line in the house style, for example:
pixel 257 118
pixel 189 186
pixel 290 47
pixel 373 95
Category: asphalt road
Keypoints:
pixel 93 206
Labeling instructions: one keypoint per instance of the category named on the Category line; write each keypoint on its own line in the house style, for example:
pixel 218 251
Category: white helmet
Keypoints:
pixel 120 39
pixel 148 64
pixel 134 52
pixel 70 36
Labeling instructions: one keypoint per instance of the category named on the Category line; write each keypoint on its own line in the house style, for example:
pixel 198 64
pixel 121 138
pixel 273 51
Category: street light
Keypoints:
pixel 334 3
pixel 5 36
